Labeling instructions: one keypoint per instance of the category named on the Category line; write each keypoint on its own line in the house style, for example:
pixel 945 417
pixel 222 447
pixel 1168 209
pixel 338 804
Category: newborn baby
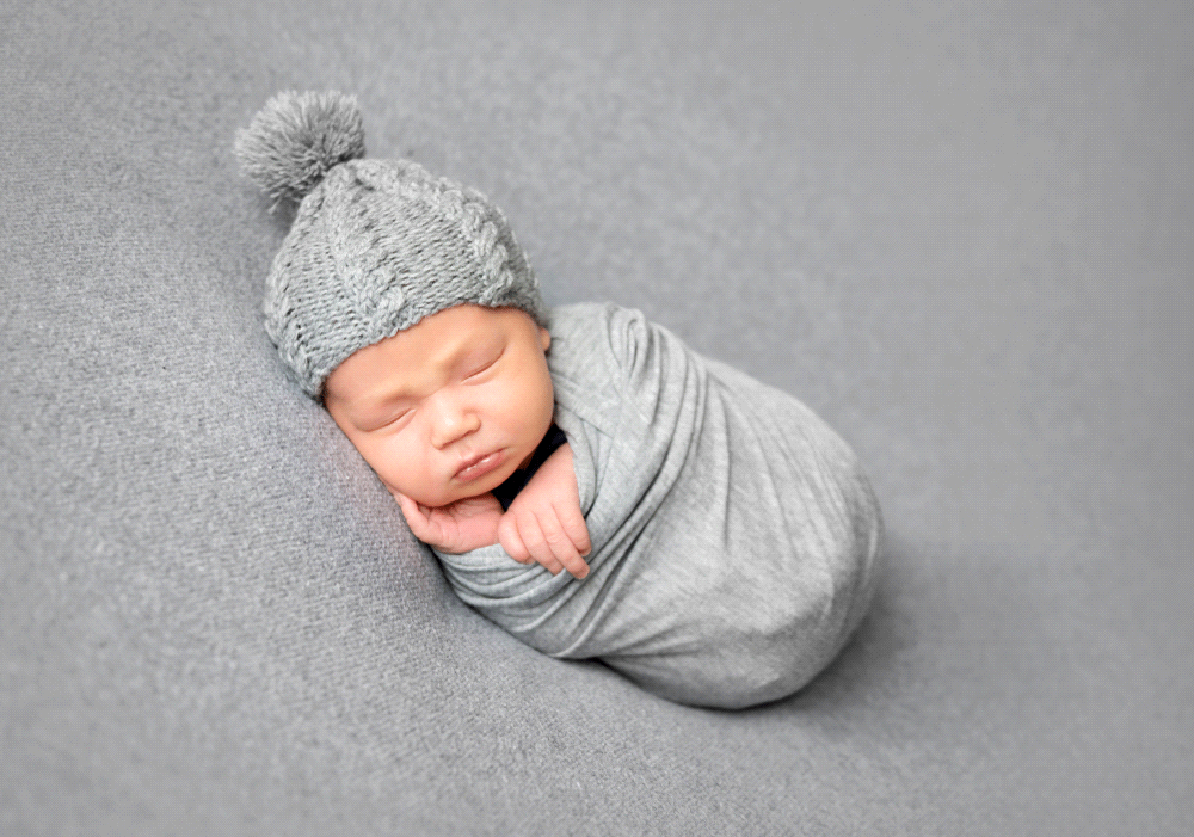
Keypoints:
pixel 587 481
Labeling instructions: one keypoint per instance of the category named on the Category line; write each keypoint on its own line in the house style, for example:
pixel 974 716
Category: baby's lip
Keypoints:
pixel 475 467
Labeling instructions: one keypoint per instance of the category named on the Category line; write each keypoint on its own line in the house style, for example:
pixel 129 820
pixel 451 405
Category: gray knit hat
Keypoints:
pixel 375 245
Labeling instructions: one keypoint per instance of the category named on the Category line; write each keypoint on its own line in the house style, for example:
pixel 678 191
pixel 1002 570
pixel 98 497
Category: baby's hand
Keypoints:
pixel 463 526
pixel 544 524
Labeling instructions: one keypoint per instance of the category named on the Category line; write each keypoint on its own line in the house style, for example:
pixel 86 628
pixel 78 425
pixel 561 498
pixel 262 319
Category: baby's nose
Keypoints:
pixel 452 424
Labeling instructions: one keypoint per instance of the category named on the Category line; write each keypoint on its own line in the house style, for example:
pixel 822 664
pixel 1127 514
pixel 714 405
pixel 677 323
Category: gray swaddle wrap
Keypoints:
pixel 734 535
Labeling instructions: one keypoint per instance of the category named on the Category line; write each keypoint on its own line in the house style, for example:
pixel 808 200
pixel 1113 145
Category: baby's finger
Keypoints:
pixel 549 563
pixel 511 540
pixel 536 543
pixel 576 565
pixel 573 523
pixel 562 547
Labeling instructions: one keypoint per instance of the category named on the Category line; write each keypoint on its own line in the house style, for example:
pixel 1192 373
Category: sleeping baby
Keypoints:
pixel 587 481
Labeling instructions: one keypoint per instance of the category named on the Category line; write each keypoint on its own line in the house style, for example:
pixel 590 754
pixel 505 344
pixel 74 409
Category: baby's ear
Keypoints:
pixel 544 338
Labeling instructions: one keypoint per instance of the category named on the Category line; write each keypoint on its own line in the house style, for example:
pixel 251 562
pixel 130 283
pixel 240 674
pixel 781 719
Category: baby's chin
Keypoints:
pixel 456 493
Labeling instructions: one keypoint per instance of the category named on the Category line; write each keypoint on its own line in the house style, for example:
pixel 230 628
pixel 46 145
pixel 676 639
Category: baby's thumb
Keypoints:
pixel 415 518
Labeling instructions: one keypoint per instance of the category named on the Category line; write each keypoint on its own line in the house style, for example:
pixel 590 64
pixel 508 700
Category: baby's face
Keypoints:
pixel 450 407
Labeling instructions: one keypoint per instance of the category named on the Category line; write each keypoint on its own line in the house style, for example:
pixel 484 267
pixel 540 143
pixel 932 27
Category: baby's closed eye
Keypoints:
pixel 391 419
pixel 478 369
pixel 401 417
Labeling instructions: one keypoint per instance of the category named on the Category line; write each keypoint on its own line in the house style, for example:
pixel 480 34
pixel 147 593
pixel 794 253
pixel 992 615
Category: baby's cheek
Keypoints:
pixel 536 402
pixel 399 468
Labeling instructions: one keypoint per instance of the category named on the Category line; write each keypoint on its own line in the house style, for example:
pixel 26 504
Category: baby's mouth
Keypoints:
pixel 478 466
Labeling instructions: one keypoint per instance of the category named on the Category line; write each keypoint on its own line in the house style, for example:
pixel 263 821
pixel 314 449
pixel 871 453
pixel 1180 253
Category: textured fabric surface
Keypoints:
pixel 735 536
pixel 959 233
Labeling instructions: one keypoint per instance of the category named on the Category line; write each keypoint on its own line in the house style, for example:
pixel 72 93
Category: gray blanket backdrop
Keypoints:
pixel 960 232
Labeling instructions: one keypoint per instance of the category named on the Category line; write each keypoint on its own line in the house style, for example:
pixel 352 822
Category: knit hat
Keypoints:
pixel 375 245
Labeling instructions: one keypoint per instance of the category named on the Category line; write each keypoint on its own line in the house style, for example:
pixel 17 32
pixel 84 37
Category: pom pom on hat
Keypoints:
pixel 296 139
